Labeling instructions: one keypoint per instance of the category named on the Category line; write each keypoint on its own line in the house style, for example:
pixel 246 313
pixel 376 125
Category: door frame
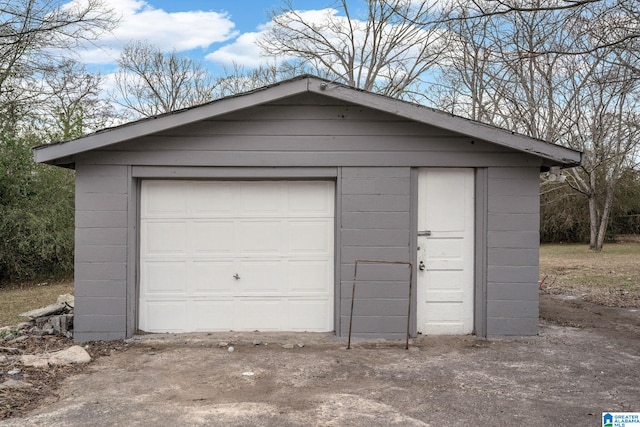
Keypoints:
pixel 135 176
pixel 481 185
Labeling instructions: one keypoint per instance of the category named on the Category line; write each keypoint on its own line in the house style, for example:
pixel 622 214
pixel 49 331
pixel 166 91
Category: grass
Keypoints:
pixel 610 277
pixel 16 299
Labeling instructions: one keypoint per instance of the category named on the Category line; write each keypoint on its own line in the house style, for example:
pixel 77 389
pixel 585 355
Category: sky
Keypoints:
pixel 217 32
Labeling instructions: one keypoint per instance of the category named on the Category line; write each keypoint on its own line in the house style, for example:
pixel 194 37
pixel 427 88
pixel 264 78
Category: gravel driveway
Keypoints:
pixel 565 376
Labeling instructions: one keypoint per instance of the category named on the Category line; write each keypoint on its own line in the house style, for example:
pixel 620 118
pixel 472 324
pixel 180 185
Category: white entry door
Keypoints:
pixel 243 255
pixel 445 291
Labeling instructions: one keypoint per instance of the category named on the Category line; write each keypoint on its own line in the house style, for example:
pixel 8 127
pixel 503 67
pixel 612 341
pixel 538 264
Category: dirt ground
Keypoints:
pixel 586 360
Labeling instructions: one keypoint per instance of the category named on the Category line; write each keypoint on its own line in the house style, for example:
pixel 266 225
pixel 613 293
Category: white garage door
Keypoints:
pixel 248 255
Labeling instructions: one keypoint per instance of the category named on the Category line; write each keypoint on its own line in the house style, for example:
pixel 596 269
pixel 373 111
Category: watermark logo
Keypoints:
pixel 621 419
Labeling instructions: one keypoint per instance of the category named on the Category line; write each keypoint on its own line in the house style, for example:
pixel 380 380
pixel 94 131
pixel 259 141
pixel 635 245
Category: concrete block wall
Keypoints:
pixel 101 252
pixel 513 221
pixel 375 224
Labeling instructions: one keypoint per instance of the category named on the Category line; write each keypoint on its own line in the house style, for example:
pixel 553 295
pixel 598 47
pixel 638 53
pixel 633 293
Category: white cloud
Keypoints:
pixel 181 31
pixel 243 51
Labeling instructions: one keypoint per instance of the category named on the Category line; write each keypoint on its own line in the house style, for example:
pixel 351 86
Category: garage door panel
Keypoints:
pixel 308 276
pixel 212 277
pixel 310 315
pixel 165 238
pixel 235 253
pixel 260 199
pixel 212 237
pixel 259 237
pixel 164 199
pixel 164 316
pixel 211 200
pixel 305 237
pixel 213 315
pixel 261 314
pixel 260 277
pixel 164 277
pixel 310 199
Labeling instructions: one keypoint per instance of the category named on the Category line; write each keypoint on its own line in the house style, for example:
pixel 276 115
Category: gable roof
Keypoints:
pixel 553 154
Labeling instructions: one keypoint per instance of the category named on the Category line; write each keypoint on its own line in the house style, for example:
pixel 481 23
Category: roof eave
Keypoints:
pixel 551 153
pixel 49 153
pixel 563 156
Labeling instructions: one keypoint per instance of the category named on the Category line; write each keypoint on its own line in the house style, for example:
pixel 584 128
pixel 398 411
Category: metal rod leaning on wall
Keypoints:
pixel 353 294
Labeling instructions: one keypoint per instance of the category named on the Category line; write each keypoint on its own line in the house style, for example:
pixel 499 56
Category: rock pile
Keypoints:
pixel 30 344
pixel 54 319
pixel 70 356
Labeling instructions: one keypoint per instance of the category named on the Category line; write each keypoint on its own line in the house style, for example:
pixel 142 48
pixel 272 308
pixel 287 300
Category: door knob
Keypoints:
pixel 421 266
pixel 235 276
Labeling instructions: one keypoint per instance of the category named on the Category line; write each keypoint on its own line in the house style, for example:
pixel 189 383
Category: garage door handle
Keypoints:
pixel 235 276
pixel 424 233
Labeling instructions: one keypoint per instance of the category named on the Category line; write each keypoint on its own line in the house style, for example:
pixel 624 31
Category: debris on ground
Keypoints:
pixel 37 354
pixel 72 355
pixel 54 319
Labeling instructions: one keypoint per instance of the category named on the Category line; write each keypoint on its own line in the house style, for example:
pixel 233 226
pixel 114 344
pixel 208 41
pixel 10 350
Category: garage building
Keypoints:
pixel 248 213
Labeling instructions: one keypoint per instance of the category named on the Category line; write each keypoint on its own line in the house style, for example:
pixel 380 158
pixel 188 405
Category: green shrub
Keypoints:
pixel 36 216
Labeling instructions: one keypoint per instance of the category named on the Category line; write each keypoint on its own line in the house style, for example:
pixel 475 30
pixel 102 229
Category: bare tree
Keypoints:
pixel 586 101
pixel 607 128
pixel 383 52
pixel 239 79
pixel 151 82
pixel 470 71
pixel 616 21
pixel 33 32
pixel 33 35
pixel 72 104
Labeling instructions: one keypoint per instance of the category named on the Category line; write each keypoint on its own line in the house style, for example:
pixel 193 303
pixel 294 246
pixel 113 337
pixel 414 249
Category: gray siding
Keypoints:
pixel 101 252
pixel 308 131
pixel 512 252
pixel 375 225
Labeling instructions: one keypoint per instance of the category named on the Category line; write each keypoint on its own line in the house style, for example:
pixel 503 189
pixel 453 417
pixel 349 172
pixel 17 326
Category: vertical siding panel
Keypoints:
pixel 375 225
pixel 101 252
pixel 512 259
